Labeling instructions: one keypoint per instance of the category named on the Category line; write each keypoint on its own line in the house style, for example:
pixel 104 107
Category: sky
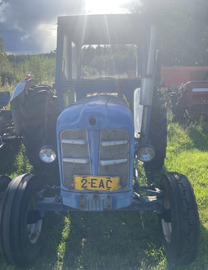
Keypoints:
pixel 29 26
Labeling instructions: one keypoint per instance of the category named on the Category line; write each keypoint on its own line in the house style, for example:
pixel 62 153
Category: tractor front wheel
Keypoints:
pixel 21 228
pixel 179 220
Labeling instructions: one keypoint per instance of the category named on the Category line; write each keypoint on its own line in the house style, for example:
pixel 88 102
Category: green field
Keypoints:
pixel 121 240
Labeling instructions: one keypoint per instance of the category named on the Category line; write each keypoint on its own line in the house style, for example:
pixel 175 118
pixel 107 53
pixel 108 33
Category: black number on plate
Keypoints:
pixel 84 183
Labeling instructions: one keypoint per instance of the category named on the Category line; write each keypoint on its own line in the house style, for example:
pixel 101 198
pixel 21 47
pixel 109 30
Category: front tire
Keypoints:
pixel 21 228
pixel 179 220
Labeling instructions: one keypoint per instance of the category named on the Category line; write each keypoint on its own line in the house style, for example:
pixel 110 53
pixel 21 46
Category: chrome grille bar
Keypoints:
pixel 112 143
pixel 74 141
pixel 113 161
pixel 77 160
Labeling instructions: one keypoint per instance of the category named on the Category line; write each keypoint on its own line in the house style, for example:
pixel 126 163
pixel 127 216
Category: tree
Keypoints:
pixel 182 30
pixel 6 73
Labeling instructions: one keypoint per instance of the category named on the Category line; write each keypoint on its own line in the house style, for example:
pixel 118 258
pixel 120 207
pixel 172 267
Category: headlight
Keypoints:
pixel 47 154
pixel 146 153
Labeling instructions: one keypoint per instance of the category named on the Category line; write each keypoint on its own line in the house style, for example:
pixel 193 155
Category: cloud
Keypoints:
pixel 29 26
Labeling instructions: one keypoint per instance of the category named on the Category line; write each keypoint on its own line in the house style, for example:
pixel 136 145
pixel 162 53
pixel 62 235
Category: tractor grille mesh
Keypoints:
pixel 113 155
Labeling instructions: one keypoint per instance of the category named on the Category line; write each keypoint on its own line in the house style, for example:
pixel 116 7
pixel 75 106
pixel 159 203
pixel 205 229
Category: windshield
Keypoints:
pixel 116 61
pixel 95 61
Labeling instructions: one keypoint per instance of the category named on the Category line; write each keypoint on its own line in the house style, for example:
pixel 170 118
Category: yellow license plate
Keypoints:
pixel 100 183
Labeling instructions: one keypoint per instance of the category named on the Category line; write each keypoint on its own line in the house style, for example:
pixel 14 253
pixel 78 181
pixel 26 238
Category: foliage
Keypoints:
pixel 182 30
pixel 96 61
pixel 108 60
pixel 40 67
pixel 13 68
pixel 6 74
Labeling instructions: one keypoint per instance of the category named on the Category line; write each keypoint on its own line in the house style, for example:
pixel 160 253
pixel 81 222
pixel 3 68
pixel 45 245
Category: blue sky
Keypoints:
pixel 29 26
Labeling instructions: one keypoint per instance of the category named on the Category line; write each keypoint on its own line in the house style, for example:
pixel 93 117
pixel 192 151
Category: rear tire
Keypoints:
pixel 158 133
pixel 179 220
pixel 21 233
pixel 39 115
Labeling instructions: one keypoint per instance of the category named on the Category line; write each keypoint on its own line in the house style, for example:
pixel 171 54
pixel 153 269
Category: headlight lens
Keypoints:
pixel 146 153
pixel 47 154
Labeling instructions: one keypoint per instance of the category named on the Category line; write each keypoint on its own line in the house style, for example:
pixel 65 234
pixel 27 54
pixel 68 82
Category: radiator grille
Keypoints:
pixel 113 155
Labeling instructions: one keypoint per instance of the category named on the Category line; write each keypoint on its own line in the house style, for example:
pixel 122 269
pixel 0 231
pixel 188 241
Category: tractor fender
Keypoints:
pixel 22 87
pixel 19 89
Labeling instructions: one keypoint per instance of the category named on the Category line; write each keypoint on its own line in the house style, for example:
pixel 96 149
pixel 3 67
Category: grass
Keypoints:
pixel 121 240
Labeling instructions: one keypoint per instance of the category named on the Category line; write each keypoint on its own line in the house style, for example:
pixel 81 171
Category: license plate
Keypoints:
pixel 100 183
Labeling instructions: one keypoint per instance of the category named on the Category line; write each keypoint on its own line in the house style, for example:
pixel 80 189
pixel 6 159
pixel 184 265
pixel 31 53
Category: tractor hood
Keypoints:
pixel 97 112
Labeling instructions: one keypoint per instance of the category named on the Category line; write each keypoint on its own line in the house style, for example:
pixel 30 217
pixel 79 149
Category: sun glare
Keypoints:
pixel 104 6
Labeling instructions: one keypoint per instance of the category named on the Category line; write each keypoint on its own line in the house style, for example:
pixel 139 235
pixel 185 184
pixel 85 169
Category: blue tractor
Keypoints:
pixel 95 128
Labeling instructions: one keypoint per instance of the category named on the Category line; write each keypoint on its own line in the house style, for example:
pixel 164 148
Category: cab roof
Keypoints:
pixel 104 28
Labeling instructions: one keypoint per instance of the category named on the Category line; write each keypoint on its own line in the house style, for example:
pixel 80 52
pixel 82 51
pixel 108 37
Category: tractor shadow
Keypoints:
pixel 112 240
